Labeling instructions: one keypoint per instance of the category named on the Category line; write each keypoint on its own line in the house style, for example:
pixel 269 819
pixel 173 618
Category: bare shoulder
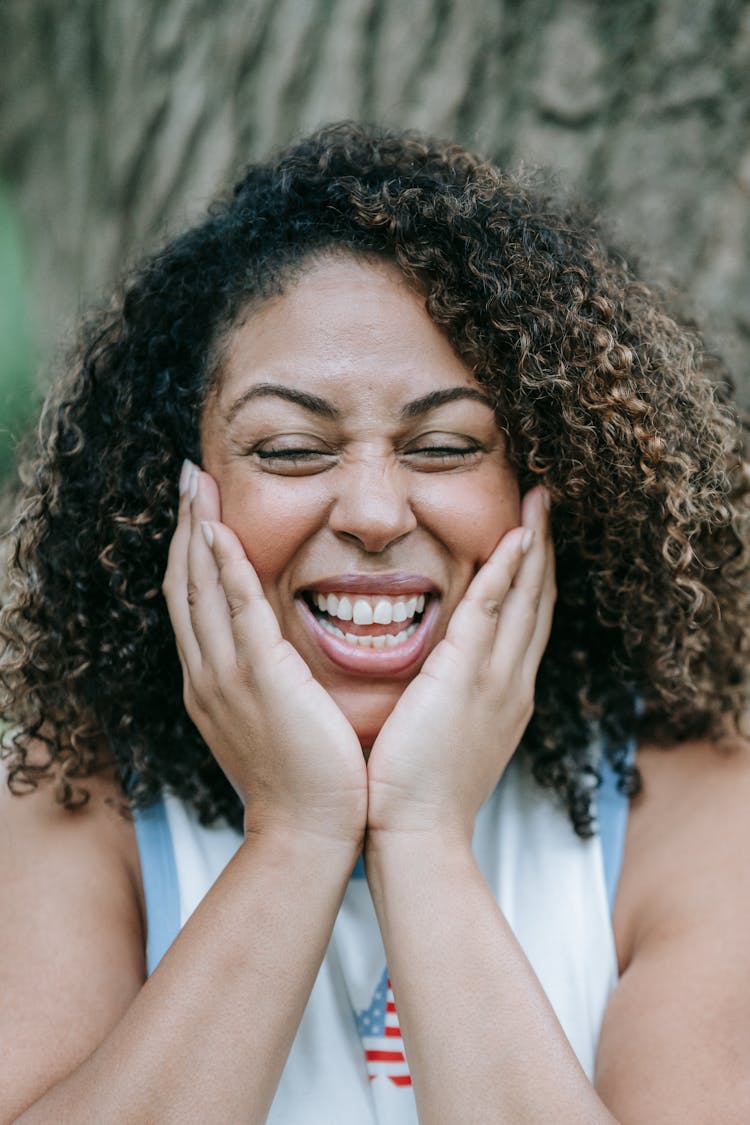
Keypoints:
pixel 71 931
pixel 38 836
pixel 673 1042
pixel 688 838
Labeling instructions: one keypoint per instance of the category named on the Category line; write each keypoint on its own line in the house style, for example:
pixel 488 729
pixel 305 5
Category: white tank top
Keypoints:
pixel 347 1063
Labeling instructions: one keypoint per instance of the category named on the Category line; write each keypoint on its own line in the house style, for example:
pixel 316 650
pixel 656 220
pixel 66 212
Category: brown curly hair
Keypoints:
pixel 601 394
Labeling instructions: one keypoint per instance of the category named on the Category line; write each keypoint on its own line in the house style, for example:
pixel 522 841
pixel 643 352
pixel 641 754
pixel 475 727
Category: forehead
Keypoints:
pixel 348 329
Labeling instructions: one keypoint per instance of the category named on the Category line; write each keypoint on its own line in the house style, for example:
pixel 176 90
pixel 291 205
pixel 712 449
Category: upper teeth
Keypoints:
pixel 376 610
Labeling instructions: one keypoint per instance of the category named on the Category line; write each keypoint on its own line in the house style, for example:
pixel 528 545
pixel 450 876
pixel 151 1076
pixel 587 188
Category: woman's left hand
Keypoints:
pixel 453 731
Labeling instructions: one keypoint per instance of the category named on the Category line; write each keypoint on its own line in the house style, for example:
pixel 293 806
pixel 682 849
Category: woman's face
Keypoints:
pixel 361 466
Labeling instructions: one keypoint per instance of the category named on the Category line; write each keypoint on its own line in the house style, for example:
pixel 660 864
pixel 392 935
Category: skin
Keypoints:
pixel 379 498
pixel 289 730
pixel 370 492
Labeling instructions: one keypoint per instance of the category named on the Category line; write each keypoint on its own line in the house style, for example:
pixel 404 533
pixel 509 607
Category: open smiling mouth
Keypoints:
pixel 368 621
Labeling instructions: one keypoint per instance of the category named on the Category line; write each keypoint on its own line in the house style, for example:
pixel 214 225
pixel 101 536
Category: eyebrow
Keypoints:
pixel 326 409
pixel 313 403
pixel 434 399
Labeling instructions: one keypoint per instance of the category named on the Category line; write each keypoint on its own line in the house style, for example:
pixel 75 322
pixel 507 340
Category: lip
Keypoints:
pixel 399 661
pixel 397 582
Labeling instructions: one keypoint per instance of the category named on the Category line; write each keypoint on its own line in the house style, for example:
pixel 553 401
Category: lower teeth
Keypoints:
pixel 383 640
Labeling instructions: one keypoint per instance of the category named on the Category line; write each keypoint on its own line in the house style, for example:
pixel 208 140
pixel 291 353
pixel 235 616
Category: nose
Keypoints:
pixel 372 505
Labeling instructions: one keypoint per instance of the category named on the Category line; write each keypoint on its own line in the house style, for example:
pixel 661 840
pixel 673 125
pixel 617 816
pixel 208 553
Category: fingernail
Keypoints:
pixel 528 539
pixel 193 482
pixel 185 476
pixel 547 499
pixel 208 534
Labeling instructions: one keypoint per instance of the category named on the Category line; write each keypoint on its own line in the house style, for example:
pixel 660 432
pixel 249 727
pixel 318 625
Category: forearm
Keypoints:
pixel 482 1041
pixel 207 1037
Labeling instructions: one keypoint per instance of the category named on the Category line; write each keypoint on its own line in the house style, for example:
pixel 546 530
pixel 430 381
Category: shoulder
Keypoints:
pixel 688 838
pixel 37 832
pixel 59 864
pixel 673 1041
pixel 65 868
pixel 71 930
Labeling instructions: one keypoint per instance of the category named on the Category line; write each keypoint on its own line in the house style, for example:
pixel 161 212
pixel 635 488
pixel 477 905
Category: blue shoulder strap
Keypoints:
pixel 159 869
pixel 612 809
pixel 159 881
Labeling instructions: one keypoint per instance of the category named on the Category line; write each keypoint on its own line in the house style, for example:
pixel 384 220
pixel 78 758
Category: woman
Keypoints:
pixel 381 364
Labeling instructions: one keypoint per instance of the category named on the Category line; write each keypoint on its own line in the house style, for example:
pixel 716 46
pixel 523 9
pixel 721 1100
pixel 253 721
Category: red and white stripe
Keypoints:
pixel 385 1056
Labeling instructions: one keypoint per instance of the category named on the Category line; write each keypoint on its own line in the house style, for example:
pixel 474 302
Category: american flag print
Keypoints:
pixel 381 1037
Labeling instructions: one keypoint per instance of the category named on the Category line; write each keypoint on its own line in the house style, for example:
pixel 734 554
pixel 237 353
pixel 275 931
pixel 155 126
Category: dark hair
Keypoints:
pixel 602 396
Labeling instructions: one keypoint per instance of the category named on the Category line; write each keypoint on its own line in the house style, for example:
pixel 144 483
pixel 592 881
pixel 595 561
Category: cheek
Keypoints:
pixel 271 523
pixel 471 519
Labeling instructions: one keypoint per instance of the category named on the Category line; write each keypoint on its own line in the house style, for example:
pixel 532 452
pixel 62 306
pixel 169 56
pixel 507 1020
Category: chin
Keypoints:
pixel 367 714
pixel 367 732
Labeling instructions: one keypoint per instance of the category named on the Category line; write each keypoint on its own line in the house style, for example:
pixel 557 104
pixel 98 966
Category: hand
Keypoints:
pixel 287 749
pixel 445 745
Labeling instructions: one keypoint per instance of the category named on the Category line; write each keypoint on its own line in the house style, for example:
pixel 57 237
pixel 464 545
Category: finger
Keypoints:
pixel 545 612
pixel 254 627
pixel 474 624
pixel 519 616
pixel 209 613
pixel 174 586
pixel 543 627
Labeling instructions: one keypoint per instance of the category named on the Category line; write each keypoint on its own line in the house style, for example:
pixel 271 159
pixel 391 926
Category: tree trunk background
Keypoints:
pixel 122 118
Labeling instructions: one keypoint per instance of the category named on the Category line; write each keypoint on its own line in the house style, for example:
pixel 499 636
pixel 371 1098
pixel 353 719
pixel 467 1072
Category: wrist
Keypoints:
pixel 421 853
pixel 295 843
pixel 338 827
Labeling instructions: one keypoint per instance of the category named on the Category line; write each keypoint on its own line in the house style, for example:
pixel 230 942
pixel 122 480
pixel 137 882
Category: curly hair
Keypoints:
pixel 602 396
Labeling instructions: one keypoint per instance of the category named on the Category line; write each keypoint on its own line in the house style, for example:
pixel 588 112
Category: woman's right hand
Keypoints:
pixel 285 746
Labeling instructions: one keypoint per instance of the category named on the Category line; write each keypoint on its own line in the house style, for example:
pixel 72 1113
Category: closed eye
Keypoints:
pixel 300 461
pixel 441 456
pixel 445 450
pixel 290 454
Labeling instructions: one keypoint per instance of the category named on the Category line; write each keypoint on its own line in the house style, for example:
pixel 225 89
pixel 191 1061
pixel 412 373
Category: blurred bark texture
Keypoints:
pixel 121 118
